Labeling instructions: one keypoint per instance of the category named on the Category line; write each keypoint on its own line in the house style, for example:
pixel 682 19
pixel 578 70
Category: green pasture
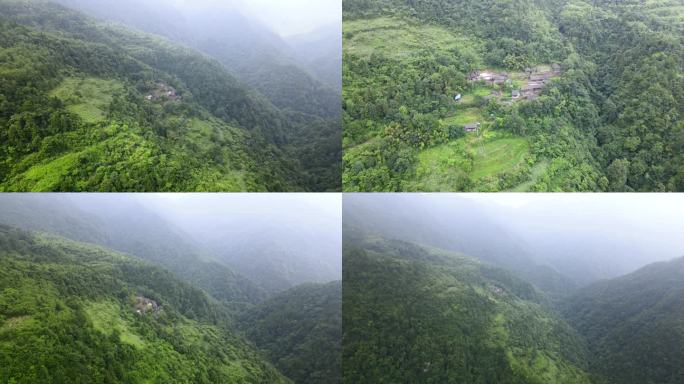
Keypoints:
pixel 88 97
pixel 107 316
pixel 398 38
pixel 455 165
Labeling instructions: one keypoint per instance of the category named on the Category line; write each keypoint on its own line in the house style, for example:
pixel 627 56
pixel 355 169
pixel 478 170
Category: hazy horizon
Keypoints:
pixel 586 236
pixel 290 18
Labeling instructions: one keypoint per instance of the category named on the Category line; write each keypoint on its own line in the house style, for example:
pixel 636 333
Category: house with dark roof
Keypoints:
pixel 471 127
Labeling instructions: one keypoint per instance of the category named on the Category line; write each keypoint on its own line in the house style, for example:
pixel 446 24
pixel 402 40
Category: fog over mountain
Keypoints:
pixel 195 288
pixel 593 236
pixel 557 242
pixel 509 288
pixel 219 91
pixel 252 38
pixel 276 241
pixel 288 18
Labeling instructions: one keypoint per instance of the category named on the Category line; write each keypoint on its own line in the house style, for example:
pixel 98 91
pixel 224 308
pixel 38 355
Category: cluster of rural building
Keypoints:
pixel 163 90
pixel 143 305
pixel 534 83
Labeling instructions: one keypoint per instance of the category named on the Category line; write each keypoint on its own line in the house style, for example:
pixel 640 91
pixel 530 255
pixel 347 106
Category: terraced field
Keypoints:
pixel 398 38
pixel 88 97
pixel 462 164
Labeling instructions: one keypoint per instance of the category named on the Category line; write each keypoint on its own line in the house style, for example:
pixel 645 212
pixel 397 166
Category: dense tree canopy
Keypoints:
pixel 634 324
pixel 609 122
pixel 71 313
pixel 301 332
pixel 77 113
pixel 413 315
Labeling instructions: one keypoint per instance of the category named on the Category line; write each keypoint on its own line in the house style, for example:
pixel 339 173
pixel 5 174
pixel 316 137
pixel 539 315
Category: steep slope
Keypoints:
pixel 406 61
pixel 248 49
pixel 301 331
pixel 320 51
pixel 276 259
pixel 578 235
pixel 455 224
pixel 413 314
pixel 634 324
pixel 123 225
pixel 89 107
pixel 71 312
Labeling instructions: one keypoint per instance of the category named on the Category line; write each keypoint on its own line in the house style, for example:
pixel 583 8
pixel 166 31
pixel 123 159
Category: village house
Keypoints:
pixel 471 127
pixel 541 77
pixel 145 305
pixel 532 88
pixel 492 77
pixel 163 90
pixel 497 290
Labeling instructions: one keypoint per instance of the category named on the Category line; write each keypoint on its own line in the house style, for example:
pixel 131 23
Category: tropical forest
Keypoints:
pixel 128 289
pixel 164 100
pixel 513 95
pixel 453 289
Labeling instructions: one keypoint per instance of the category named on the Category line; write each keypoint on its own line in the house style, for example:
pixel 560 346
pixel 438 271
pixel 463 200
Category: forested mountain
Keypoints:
pixel 320 51
pixel 418 315
pixel 249 50
pixel 414 310
pixel 92 107
pixel 71 312
pixel 455 224
pixel 301 332
pixel 122 225
pixel 298 330
pixel 273 258
pixel 577 234
pixel 634 325
pixel 569 95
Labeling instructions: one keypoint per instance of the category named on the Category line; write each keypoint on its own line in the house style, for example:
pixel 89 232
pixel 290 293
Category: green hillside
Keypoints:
pixel 606 118
pixel 133 229
pixel 300 331
pixel 88 107
pixel 75 313
pixel 419 315
pixel 634 325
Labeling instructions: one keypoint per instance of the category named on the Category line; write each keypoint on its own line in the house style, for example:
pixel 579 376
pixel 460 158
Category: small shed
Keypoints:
pixel 458 97
pixel 471 127
pixel 556 67
pixel 515 94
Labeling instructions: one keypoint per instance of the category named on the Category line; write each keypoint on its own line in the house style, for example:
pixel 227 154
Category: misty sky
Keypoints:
pixel 585 236
pixel 620 232
pixel 648 201
pixel 285 17
pixel 311 209
pixel 308 223
pixel 642 213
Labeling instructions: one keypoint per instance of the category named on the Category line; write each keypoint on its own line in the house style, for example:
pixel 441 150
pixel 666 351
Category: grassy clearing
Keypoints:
pixel 450 167
pixel 107 317
pixel 442 168
pixel 465 116
pixel 88 97
pixel 498 156
pixel 15 322
pixel 397 38
pixel 46 177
